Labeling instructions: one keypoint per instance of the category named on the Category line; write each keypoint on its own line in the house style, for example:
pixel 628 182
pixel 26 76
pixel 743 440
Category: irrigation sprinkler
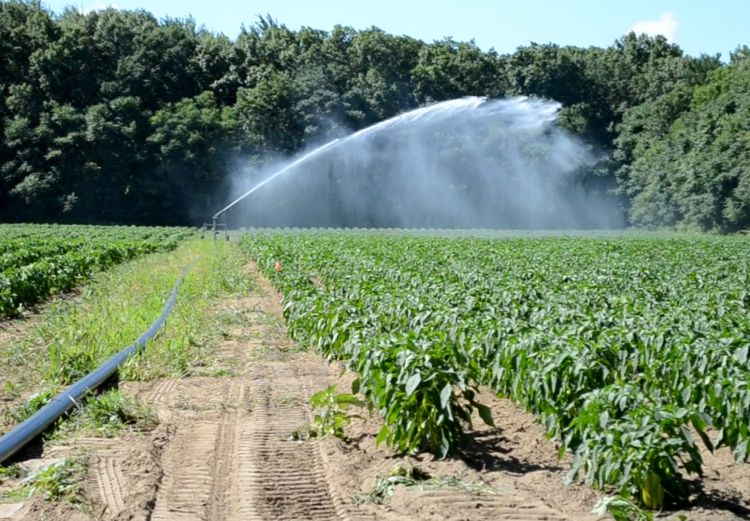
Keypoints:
pixel 288 167
pixel 215 227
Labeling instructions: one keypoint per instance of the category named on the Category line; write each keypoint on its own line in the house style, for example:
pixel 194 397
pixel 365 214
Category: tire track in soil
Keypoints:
pixel 517 507
pixel 230 456
pixel 285 479
pixel 109 479
pixel 160 392
pixel 186 467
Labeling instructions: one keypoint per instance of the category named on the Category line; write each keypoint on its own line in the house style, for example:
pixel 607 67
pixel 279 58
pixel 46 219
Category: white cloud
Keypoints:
pixel 666 25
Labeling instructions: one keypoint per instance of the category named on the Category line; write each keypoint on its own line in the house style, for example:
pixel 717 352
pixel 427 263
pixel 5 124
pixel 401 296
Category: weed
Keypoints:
pixel 11 471
pixel 60 481
pixel 10 389
pixel 334 412
pixel 301 434
pixel 108 414
pixel 32 405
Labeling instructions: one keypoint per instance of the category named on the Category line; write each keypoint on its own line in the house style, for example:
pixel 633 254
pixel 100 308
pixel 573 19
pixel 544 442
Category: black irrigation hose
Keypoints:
pixel 19 436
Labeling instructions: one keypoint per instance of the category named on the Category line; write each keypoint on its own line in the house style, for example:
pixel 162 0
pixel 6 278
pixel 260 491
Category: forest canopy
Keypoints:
pixel 114 116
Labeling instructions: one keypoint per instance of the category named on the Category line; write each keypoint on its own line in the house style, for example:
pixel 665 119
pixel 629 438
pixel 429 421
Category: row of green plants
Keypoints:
pixel 41 260
pixel 632 351
pixel 50 232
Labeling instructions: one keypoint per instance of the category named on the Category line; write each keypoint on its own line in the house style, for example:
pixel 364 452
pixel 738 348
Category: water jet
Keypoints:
pixel 467 162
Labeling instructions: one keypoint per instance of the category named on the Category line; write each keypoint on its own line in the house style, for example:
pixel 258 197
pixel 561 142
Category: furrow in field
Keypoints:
pixel 186 486
pixel 109 479
pixel 284 478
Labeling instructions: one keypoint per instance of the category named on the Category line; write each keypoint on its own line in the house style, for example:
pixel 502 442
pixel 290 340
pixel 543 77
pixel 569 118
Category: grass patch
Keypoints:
pixel 123 305
pixel 60 481
pixel 108 414
pixel 104 415
pixel 113 310
pixel 32 405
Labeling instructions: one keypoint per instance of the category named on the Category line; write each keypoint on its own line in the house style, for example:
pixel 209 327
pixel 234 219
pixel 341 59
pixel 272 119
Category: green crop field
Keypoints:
pixel 631 350
pixel 37 261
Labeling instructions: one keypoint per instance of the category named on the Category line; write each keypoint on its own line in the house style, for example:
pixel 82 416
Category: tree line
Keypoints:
pixel 115 116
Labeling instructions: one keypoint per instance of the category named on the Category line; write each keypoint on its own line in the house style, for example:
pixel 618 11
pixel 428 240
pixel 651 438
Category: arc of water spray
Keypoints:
pixel 424 114
pixel 277 174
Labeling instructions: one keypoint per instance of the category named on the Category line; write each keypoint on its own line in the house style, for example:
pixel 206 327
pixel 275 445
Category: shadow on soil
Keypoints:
pixel 715 500
pixel 490 450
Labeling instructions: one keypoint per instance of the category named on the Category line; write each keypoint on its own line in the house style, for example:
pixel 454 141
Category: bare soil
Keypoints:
pixel 225 449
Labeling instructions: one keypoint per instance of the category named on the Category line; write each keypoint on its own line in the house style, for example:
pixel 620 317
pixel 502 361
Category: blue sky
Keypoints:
pixel 698 26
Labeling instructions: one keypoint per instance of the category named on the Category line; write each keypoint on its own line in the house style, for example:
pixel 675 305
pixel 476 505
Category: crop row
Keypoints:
pixel 626 349
pixel 57 258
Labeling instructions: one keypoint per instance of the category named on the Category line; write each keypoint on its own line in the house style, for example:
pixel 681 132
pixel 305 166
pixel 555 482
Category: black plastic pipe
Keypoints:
pixel 20 435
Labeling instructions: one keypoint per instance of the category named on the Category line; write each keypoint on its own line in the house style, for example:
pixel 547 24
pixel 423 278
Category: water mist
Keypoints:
pixel 464 163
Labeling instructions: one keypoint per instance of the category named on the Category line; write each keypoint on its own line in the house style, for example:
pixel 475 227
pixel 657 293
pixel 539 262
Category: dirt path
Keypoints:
pixel 233 459
pixel 224 450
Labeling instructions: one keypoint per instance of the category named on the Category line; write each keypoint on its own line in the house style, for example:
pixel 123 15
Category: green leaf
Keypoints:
pixel 741 451
pixel 319 399
pixel 700 424
pixel 382 435
pixel 412 383
pixel 445 445
pixel 687 435
pixel 445 395
pixel 348 399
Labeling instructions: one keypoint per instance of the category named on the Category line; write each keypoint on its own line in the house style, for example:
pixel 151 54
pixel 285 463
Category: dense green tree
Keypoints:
pixel 214 58
pixel 116 132
pixel 265 113
pixel 25 27
pixel 549 71
pixel 115 116
pixel 697 173
pixel 193 141
pixel 449 69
